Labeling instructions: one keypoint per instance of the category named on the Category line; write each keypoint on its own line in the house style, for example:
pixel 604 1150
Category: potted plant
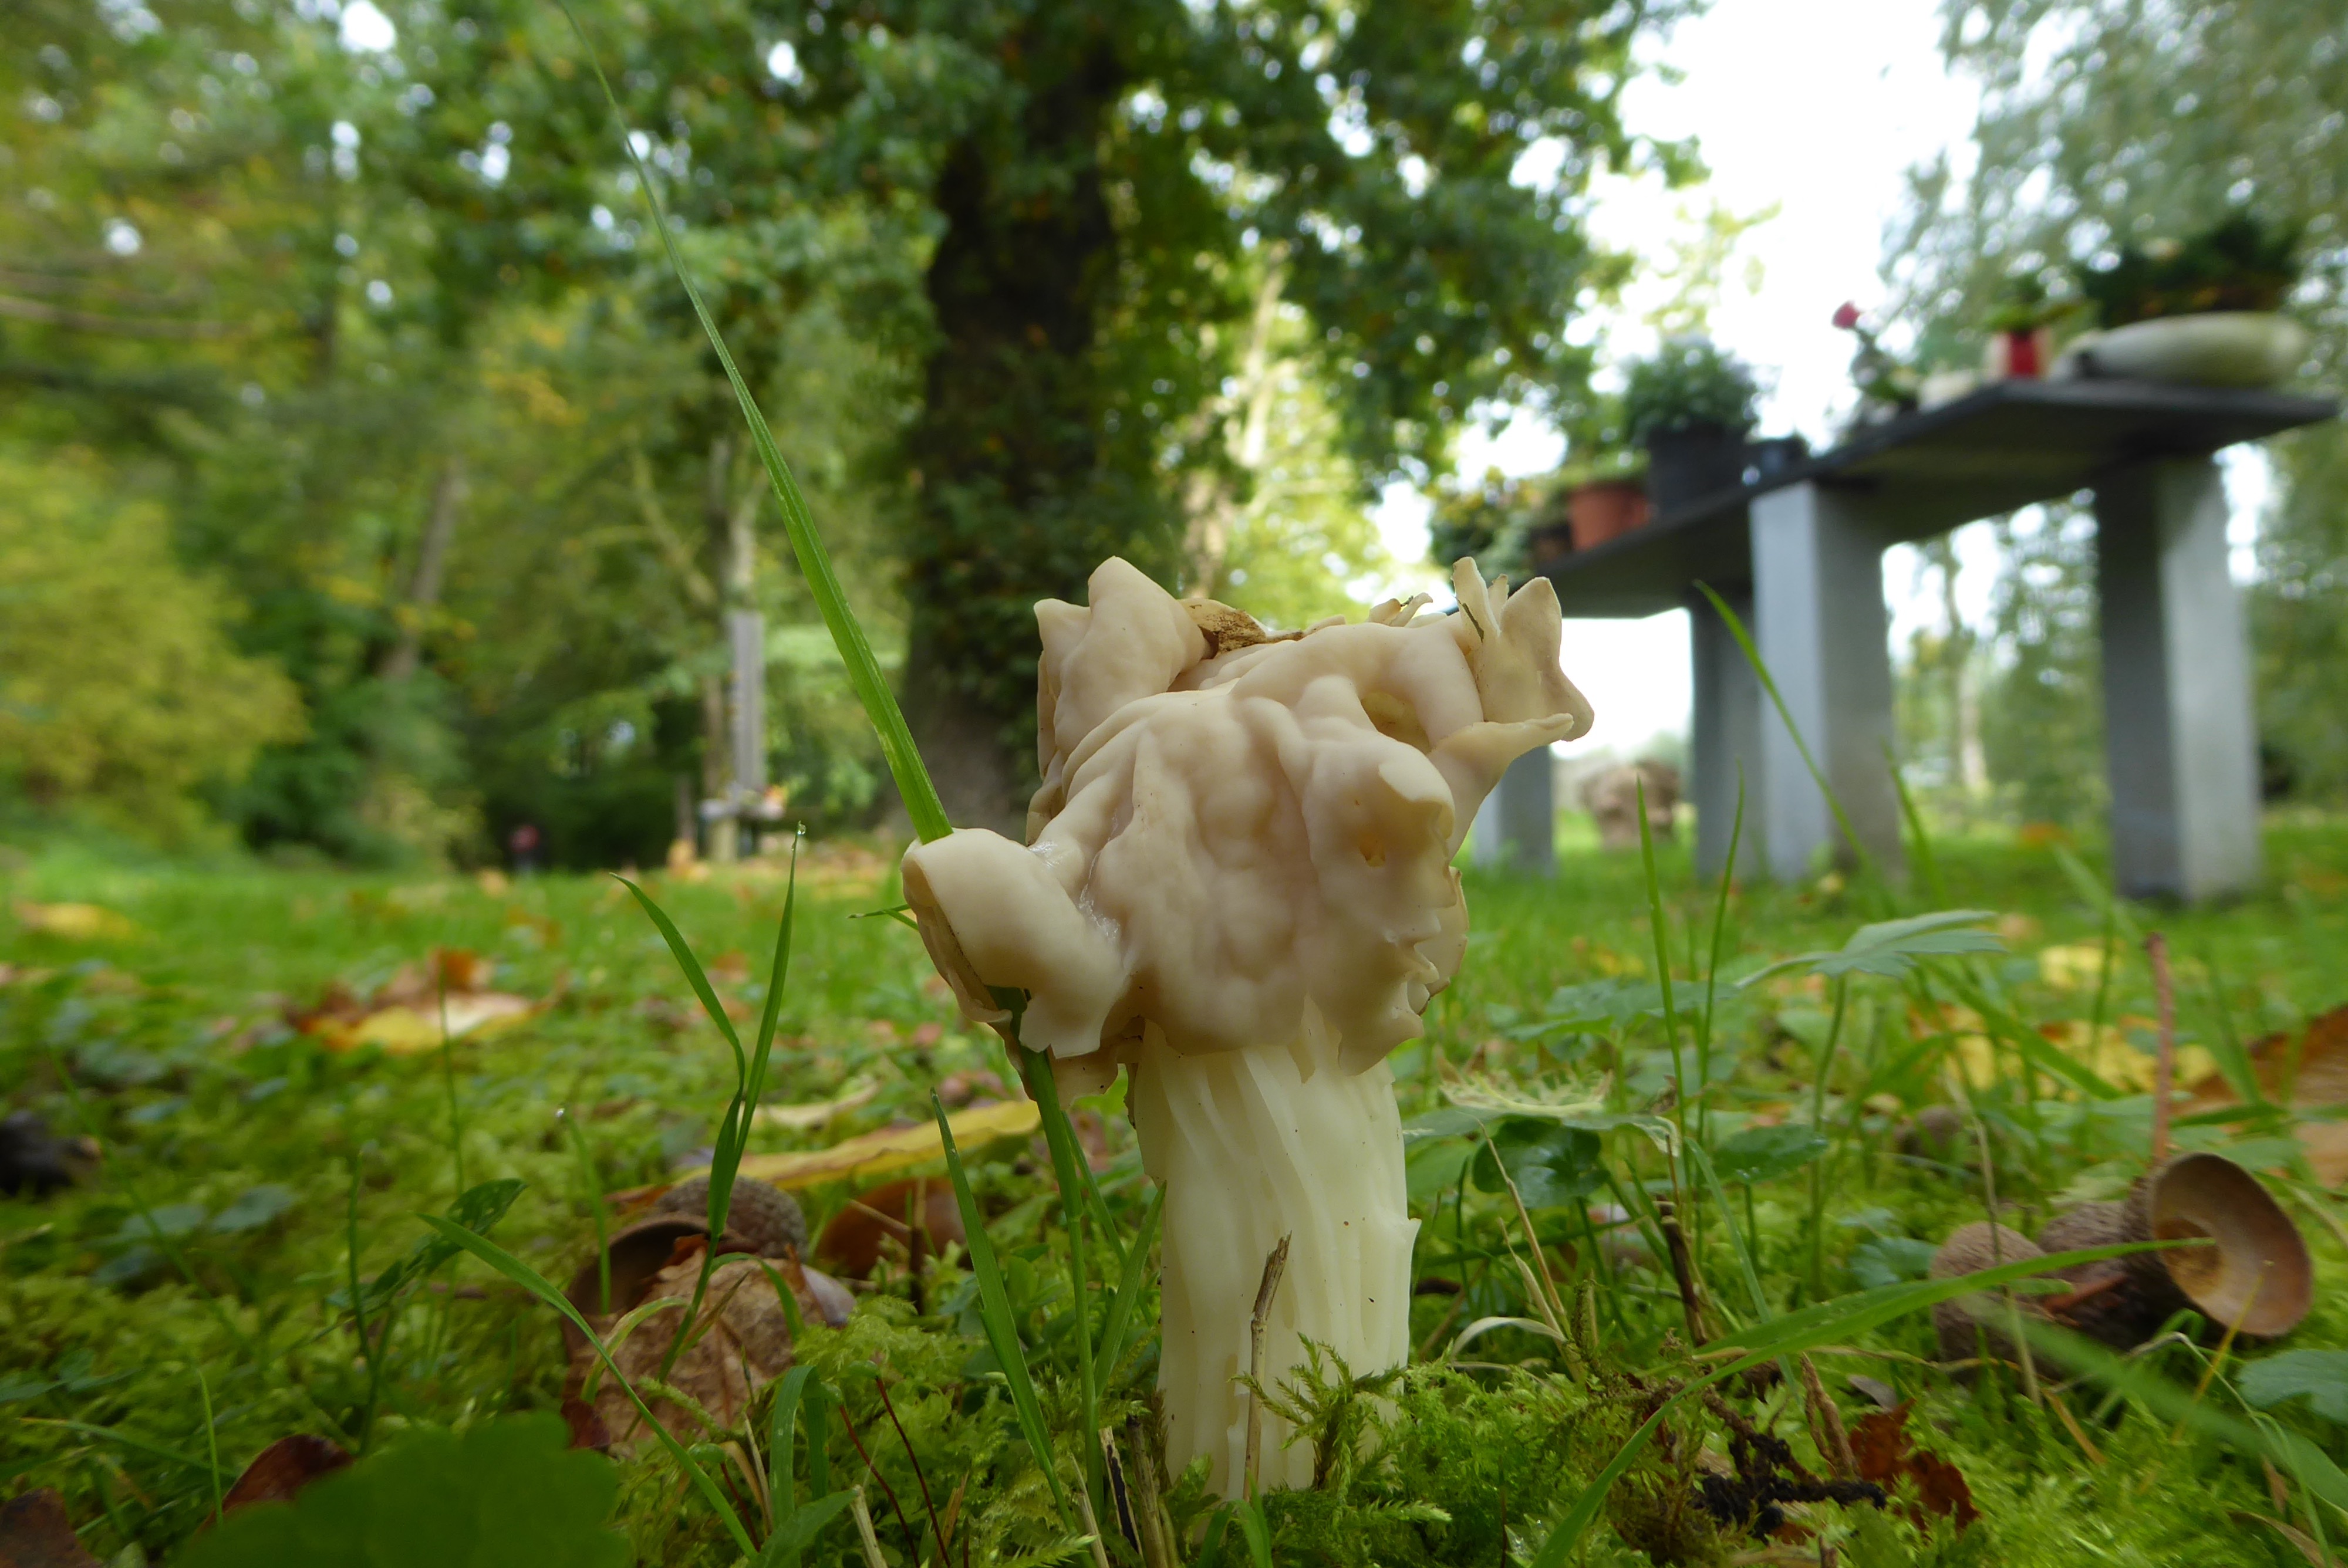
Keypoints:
pixel 1690 407
pixel 2204 310
pixel 1884 383
pixel 2021 329
pixel 1604 499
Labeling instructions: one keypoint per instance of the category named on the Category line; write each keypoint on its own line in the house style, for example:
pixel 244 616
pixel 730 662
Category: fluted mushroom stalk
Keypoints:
pixel 1238 887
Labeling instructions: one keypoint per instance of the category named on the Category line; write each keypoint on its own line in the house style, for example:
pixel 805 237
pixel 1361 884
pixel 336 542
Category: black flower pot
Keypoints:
pixel 1687 464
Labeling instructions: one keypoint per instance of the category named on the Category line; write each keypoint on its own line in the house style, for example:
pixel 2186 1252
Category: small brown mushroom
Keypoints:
pixel 2253 1275
pixel 1966 1322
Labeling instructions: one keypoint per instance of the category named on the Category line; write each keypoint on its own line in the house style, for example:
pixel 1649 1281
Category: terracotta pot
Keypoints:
pixel 1605 509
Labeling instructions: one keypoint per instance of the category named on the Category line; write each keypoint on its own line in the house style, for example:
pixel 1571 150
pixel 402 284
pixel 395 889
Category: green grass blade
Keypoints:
pixel 594 1186
pixel 888 721
pixel 1130 1283
pixel 994 1314
pixel 1736 1233
pixel 1712 965
pixel 734 1135
pixel 1663 967
pixel 794 1534
pixel 530 1279
pixel 1258 1534
pixel 693 971
pixel 782 1492
pixel 1786 716
pixel 1067 1161
pixel 1827 1323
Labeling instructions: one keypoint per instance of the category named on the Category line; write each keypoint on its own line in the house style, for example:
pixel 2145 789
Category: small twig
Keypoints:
pixel 1273 1266
pixel 882 1384
pixel 1834 1444
pixel 2163 1075
pixel 1147 1503
pixel 912 1537
pixel 872 1558
pixel 2225 1343
pixel 1092 1526
pixel 1997 1258
pixel 1682 1271
pixel 2078 1433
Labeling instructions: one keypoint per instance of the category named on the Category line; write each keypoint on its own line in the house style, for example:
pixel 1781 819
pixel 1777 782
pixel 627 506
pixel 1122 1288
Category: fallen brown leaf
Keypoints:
pixel 282 1469
pixel 36 1533
pixel 1880 1443
pixel 743 1343
pixel 2315 1062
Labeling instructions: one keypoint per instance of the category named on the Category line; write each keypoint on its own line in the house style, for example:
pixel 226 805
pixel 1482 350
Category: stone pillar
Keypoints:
pixel 1822 629
pixel 2180 728
pixel 1726 738
pixel 1516 827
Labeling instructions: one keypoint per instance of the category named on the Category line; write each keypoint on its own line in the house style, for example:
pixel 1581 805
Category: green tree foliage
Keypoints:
pixel 374 323
pixel 2115 123
pixel 119 687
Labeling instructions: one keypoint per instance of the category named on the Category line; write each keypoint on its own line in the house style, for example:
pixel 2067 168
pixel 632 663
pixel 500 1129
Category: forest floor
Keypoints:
pixel 255 1054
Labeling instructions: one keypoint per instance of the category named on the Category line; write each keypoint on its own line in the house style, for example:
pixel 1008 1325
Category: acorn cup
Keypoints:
pixel 1978 1325
pixel 2251 1273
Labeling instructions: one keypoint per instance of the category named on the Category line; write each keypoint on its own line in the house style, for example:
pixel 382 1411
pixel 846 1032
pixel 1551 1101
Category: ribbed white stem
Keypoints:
pixel 1252 1146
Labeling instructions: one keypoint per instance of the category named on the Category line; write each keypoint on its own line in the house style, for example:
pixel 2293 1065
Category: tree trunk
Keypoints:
pixel 1025 480
pixel 431 562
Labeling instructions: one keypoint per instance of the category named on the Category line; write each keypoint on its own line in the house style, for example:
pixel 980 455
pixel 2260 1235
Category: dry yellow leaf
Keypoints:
pixel 403 1031
pixel 74 922
pixel 879 1154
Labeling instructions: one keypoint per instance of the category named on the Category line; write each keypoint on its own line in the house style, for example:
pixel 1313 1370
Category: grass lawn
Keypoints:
pixel 188 1302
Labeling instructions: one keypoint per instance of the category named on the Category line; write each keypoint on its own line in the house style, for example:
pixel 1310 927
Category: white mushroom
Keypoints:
pixel 1239 887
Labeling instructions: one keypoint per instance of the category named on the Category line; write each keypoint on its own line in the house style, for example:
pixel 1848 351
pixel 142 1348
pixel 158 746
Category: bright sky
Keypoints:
pixel 1818 107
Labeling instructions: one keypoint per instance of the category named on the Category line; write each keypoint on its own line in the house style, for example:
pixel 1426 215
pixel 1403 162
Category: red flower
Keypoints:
pixel 1846 317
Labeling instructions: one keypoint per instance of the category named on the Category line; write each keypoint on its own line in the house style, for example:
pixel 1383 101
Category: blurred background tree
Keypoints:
pixel 2111 121
pixel 358 304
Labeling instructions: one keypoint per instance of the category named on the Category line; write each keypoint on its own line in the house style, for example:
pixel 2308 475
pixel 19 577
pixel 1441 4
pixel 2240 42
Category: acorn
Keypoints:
pixel 761 1220
pixel 1937 1133
pixel 2105 1302
pixel 1967 1322
pixel 2251 1273
pixel 768 1218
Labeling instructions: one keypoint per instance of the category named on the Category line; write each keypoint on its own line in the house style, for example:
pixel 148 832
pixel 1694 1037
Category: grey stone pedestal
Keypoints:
pixel 1821 627
pixel 2181 731
pixel 1516 827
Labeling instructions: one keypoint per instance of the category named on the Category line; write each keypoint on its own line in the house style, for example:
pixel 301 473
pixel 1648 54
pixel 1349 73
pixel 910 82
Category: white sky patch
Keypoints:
pixel 367 30
pixel 1819 108
pixel 783 63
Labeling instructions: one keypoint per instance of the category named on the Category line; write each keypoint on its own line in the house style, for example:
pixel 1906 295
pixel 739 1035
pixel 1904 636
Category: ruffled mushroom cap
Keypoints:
pixel 1234 829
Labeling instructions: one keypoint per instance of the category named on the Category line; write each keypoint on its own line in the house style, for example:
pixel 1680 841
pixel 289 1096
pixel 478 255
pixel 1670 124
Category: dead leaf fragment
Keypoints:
pixel 282 1469
pixel 1881 1445
pixel 74 922
pixel 404 1015
pixel 36 1533
pixel 743 1343
pixel 895 1149
pixel 813 1113
pixel 2315 1062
